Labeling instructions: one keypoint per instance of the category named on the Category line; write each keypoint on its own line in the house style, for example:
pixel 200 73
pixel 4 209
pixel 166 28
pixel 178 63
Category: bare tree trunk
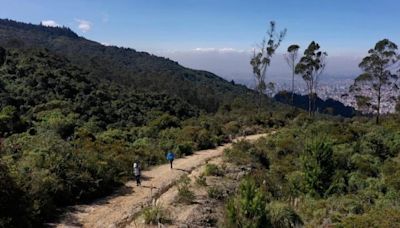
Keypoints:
pixel 314 95
pixel 293 87
pixel 309 104
pixel 379 106
pixel 311 99
pixel 293 72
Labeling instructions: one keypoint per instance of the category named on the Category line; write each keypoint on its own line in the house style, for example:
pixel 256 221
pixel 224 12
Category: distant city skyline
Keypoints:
pixel 234 65
pixel 218 36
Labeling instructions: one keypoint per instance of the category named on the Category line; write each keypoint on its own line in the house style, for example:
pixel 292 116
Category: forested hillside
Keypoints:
pixel 36 81
pixel 124 65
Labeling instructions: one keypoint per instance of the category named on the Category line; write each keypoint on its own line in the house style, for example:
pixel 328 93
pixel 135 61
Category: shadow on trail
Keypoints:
pixel 183 170
pixel 123 190
pixel 146 178
pixel 149 187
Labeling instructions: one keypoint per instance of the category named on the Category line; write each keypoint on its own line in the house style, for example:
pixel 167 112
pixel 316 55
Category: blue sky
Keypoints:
pixel 342 27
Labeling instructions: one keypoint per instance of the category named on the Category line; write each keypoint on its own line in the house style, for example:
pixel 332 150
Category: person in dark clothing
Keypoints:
pixel 137 173
pixel 170 158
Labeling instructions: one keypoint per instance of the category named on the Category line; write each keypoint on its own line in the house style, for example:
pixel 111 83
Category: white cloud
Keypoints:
pixel 222 50
pixel 204 49
pixel 229 50
pixel 84 25
pixel 49 23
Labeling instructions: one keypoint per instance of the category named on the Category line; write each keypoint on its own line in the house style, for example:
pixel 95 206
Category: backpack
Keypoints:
pixel 136 169
pixel 170 156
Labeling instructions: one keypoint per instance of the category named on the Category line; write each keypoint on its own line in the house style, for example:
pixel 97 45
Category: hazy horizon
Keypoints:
pixel 234 65
pixel 219 36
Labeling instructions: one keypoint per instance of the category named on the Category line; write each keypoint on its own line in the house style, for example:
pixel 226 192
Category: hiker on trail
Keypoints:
pixel 170 158
pixel 137 172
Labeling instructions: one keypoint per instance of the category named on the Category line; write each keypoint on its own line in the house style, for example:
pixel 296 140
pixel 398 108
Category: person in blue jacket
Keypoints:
pixel 170 157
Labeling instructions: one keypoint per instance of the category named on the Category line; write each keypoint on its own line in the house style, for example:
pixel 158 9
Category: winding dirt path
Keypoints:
pixel 119 209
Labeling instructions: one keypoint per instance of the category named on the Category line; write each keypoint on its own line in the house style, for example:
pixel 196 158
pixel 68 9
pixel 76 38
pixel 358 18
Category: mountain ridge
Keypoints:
pixel 125 66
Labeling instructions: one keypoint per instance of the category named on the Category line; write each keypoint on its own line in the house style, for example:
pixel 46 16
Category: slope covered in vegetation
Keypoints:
pixel 35 81
pixel 67 137
pixel 320 172
pixel 140 70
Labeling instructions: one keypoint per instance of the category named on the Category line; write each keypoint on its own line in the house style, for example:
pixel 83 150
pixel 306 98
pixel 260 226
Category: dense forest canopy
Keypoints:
pixel 36 81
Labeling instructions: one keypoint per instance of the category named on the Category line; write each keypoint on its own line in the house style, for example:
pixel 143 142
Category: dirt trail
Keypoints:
pixel 183 215
pixel 119 209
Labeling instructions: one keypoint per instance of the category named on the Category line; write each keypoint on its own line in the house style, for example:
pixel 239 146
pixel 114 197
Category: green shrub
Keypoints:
pixel 238 152
pixel 244 153
pixel 201 180
pixel 52 173
pixel 296 183
pixel 10 121
pixel 283 216
pixel 338 184
pixel 356 182
pixel 212 170
pixel 366 164
pixel 111 135
pixel 385 218
pixel 165 121
pixel 204 140
pixel 185 195
pixel 215 193
pixel 248 208
pixel 12 206
pixel 185 148
pixel 391 174
pixel 318 166
pixel 156 214
pixel 56 120
pixel 232 128
pixel 189 134
pixel 376 143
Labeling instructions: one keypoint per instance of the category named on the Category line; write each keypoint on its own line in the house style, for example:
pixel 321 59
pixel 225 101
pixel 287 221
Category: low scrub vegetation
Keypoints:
pixel 156 214
pixel 215 192
pixel 252 207
pixel 201 180
pixel 328 172
pixel 185 195
pixel 212 170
